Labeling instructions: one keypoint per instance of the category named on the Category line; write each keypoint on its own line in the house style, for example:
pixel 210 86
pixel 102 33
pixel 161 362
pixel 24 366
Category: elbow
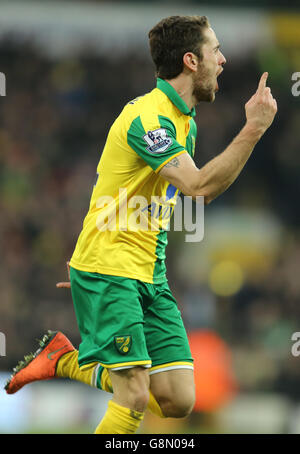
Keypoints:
pixel 197 192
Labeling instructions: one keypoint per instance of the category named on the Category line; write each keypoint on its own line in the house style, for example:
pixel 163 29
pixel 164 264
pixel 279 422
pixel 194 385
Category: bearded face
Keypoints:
pixel 205 84
pixel 210 66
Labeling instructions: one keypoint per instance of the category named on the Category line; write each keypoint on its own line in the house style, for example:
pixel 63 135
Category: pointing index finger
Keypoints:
pixel 262 82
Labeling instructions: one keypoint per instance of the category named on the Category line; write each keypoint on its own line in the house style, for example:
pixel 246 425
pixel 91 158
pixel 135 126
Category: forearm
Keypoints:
pixel 219 173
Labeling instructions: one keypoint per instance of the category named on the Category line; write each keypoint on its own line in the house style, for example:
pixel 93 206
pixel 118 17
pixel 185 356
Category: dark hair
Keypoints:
pixel 171 38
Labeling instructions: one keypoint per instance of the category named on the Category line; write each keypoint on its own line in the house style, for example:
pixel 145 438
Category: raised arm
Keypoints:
pixel 219 173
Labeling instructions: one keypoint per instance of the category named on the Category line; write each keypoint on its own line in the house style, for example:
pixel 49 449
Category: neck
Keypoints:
pixel 183 84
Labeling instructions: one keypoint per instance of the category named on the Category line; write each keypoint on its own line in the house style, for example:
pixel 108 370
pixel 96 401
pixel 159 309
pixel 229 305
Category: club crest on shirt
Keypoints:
pixel 123 344
pixel 157 140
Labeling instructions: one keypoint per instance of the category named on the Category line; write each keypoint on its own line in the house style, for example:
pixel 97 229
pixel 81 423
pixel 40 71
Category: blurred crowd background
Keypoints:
pixel 238 289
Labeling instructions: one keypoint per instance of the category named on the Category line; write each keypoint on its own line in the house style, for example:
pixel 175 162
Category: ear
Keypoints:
pixel 190 61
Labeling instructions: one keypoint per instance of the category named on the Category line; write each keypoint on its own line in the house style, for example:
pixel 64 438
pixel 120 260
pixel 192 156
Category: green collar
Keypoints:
pixel 174 97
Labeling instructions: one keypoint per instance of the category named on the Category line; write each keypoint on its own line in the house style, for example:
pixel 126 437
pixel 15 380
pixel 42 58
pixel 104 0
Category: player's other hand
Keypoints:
pixel 261 107
pixel 65 284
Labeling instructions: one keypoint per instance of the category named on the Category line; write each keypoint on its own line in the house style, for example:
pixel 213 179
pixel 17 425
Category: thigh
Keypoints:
pixel 166 338
pixel 110 320
pixel 175 387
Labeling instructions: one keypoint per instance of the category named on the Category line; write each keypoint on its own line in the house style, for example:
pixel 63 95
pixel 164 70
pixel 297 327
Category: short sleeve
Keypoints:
pixel 156 143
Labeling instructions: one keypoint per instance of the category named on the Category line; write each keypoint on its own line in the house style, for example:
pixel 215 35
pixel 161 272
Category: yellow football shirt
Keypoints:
pixel 125 230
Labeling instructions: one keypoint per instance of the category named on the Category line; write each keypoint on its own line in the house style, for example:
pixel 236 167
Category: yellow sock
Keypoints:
pixel 154 407
pixel 67 367
pixel 119 420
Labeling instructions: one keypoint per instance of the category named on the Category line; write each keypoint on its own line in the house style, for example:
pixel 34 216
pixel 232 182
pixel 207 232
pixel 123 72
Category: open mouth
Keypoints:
pixel 217 75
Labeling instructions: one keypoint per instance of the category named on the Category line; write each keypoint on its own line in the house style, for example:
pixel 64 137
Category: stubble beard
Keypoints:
pixel 203 87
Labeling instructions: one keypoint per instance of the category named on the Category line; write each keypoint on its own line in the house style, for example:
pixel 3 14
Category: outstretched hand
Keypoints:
pixel 65 284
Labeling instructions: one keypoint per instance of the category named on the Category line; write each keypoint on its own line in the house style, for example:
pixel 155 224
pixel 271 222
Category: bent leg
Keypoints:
pixel 171 374
pixel 174 391
pixel 126 409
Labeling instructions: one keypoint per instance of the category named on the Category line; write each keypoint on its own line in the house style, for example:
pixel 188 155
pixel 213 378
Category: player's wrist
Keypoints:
pixel 253 131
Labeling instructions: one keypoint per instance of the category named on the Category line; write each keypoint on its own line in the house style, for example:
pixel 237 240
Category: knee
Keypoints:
pixel 178 406
pixel 139 398
pixel 131 388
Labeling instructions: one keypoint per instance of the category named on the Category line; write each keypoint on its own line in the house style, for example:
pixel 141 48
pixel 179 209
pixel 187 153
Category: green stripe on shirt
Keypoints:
pixel 140 141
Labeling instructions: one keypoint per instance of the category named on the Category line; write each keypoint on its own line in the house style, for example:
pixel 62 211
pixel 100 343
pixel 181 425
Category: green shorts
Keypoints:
pixel 124 323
